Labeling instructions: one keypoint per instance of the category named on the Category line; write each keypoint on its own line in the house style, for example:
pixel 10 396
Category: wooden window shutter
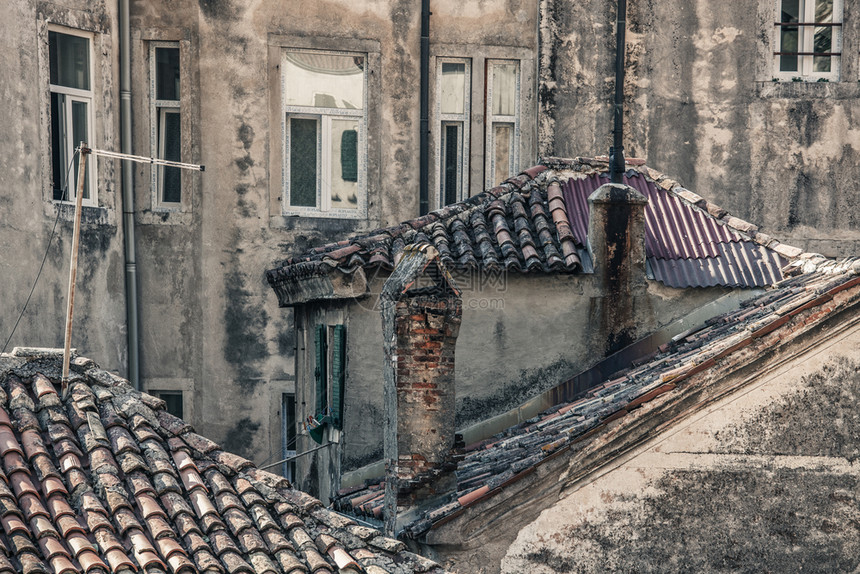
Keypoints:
pixel 320 371
pixel 338 372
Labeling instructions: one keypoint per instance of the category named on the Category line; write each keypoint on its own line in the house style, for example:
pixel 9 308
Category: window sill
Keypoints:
pixel 326 225
pixel 163 217
pixel 808 89
pixel 91 215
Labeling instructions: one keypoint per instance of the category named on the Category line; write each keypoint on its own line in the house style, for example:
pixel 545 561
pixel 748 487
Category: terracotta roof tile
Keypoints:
pixel 537 223
pixel 148 494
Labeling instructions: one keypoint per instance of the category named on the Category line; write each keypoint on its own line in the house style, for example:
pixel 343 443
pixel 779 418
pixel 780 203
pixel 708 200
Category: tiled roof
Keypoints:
pixel 819 290
pixel 537 223
pixel 108 481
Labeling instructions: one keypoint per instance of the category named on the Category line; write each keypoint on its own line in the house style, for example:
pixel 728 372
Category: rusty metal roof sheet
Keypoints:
pixel 686 246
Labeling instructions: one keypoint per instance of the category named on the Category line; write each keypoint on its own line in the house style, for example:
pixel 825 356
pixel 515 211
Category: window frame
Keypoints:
pixel 324 159
pixel 157 109
pixel 493 119
pixel 71 95
pixel 806 38
pixel 464 120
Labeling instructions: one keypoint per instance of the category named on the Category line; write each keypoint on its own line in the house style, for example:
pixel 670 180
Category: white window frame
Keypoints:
pixel 806 33
pixel 158 109
pixel 492 120
pixel 324 117
pixel 464 120
pixel 71 95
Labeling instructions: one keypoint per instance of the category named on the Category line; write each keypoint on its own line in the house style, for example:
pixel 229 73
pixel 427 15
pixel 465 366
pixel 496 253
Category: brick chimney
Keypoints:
pixel 616 243
pixel 421 313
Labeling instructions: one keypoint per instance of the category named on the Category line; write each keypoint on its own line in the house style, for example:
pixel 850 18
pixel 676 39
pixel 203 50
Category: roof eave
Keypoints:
pixel 333 285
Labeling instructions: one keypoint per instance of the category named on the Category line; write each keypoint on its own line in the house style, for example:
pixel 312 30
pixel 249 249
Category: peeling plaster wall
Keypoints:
pixel 519 336
pixel 764 480
pixel 210 323
pixel 27 212
pixel 701 105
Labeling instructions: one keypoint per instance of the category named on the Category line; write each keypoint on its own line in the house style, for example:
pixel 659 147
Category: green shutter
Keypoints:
pixel 320 371
pixel 338 369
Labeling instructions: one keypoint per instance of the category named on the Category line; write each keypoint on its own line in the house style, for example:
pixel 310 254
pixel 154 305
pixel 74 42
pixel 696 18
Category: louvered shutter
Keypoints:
pixel 320 371
pixel 338 373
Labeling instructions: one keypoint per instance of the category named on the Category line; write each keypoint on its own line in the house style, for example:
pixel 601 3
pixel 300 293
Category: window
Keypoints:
pixel 453 87
pixel 71 89
pixel 330 351
pixel 324 133
pixel 288 435
pixel 503 121
pixel 173 400
pixel 165 126
pixel 808 39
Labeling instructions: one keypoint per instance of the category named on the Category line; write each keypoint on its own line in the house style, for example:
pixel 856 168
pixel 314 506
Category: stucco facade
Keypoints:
pixel 703 103
pixel 200 260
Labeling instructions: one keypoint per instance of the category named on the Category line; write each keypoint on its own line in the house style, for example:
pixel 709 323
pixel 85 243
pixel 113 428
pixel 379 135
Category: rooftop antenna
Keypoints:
pixel 73 267
pixel 616 152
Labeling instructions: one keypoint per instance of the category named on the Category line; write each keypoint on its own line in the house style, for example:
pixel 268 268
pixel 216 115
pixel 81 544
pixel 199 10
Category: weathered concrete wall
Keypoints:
pixel 763 480
pixel 27 212
pixel 519 336
pixel 701 105
pixel 210 325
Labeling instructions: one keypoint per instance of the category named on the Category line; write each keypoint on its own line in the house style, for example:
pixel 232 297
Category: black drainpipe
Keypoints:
pixel 616 152
pixel 424 156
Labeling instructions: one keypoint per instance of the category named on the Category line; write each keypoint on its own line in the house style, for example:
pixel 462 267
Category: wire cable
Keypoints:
pixel 45 257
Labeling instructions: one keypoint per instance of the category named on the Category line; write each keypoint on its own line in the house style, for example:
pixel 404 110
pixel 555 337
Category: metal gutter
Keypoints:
pixel 127 183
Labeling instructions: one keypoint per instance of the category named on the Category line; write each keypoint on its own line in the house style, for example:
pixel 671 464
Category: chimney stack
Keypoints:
pixel 616 243
pixel 421 314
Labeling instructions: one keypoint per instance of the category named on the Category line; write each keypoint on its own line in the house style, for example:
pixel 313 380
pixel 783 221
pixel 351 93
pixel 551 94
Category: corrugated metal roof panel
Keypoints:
pixel 741 264
pixel 685 246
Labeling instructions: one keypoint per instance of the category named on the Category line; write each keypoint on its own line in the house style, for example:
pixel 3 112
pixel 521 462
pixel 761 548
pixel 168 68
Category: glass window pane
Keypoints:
pixel 788 43
pixel 59 161
pixel 453 88
pixel 69 60
pixel 173 400
pixel 79 134
pixel 823 11
pixel 167 73
pixel 790 11
pixel 169 145
pixel 344 163
pixel 303 162
pixel 503 140
pixel 504 89
pixel 323 80
pixel 451 146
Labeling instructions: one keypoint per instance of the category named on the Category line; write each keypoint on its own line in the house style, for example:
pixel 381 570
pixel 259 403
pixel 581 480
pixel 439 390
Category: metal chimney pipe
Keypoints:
pixel 616 152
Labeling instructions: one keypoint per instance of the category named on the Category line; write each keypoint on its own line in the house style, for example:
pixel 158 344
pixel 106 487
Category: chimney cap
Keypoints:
pixel 617 193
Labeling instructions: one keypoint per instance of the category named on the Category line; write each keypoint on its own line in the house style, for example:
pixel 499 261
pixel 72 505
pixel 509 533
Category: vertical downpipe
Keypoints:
pixel 128 195
pixel 424 156
pixel 616 152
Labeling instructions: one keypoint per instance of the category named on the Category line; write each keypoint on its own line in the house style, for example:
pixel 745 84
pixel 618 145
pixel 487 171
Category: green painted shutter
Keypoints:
pixel 338 369
pixel 320 371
